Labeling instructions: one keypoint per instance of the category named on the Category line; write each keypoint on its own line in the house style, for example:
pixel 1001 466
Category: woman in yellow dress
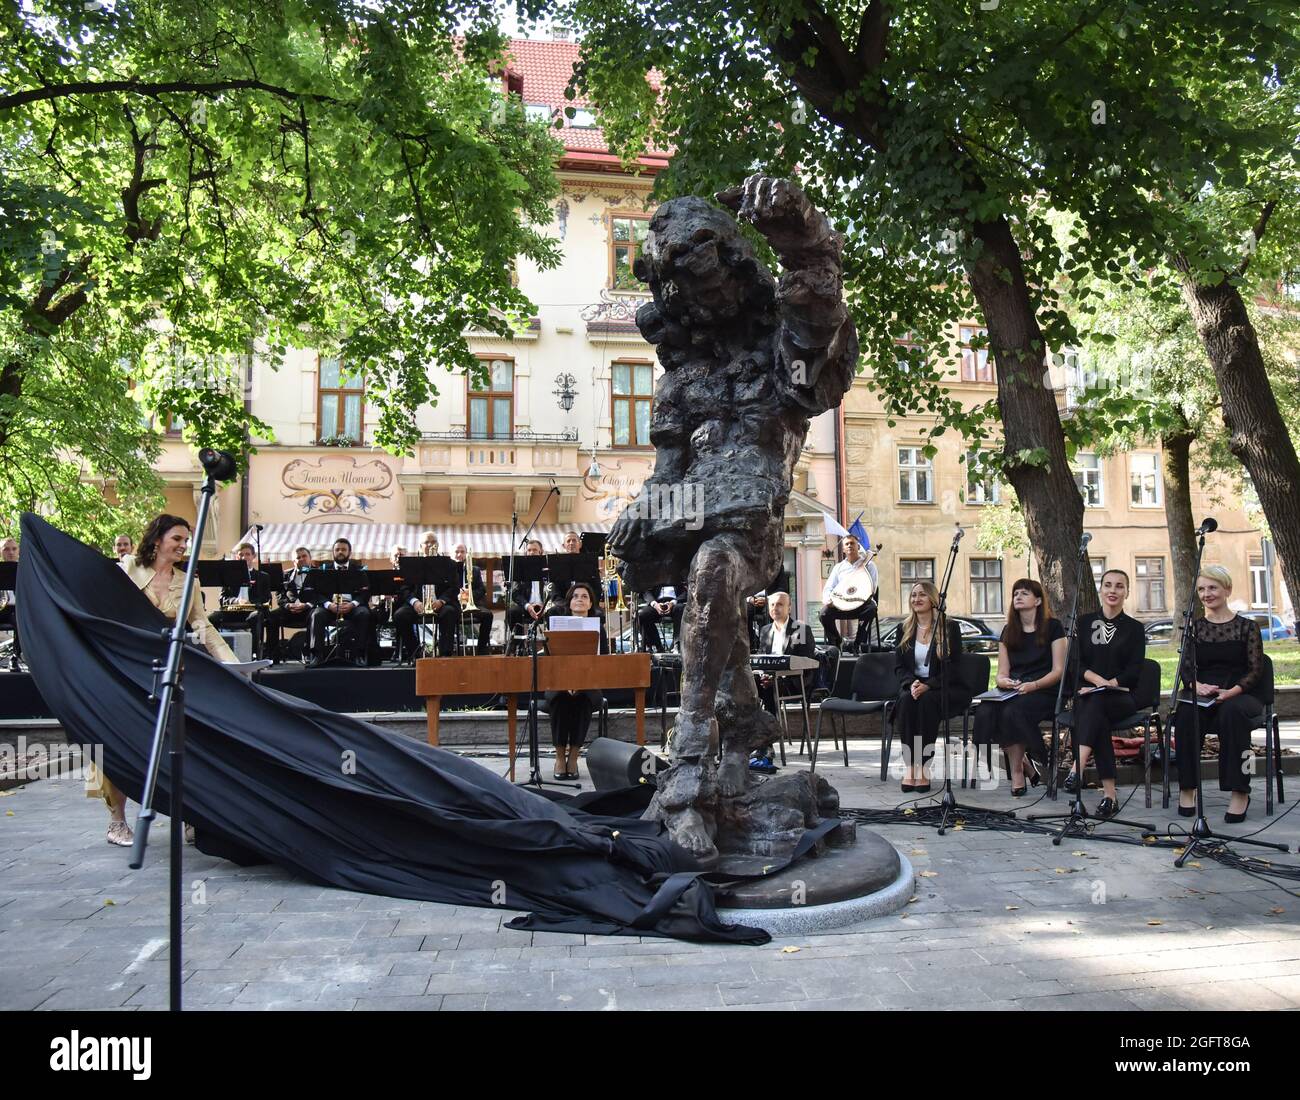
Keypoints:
pixel 154 569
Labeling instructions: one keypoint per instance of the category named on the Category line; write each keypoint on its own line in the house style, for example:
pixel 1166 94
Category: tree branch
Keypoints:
pixel 152 89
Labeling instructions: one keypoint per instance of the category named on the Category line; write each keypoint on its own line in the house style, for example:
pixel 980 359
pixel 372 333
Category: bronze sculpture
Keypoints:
pixel 747 360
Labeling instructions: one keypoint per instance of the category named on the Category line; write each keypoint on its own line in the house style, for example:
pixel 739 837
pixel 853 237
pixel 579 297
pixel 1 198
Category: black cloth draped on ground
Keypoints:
pixel 330 798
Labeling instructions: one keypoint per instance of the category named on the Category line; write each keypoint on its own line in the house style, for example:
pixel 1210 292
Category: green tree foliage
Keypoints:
pixel 186 182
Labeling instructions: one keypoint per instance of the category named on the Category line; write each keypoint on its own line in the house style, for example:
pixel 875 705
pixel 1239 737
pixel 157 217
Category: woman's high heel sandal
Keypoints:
pixel 1237 819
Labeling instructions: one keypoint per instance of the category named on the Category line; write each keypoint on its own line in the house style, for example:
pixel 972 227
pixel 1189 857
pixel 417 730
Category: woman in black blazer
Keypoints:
pixel 1112 647
pixel 918 663
pixel 571 710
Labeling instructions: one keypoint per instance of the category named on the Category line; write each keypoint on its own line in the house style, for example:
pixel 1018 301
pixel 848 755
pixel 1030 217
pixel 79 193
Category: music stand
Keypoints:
pixel 275 577
pixel 436 571
pixel 528 571
pixel 220 573
pixel 593 542
pixel 566 569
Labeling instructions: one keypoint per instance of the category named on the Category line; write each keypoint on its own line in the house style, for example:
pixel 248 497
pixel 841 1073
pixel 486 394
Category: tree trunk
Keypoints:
pixel 1177 447
pixel 1050 499
pixel 1257 434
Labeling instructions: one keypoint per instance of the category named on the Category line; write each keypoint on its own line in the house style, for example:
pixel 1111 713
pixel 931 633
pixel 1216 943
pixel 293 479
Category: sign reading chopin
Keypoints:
pixel 337 485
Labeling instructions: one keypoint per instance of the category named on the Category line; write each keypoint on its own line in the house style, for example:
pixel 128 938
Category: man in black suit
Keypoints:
pixel 9 614
pixel 255 589
pixel 665 602
pixel 407 607
pixel 782 636
pixel 453 608
pixel 756 606
pixel 294 610
pixel 529 600
pixel 350 609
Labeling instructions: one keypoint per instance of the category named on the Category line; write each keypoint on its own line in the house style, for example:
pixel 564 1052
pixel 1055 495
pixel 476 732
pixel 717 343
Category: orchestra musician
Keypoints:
pixel 1229 664
pixel 853 569
pixel 350 608
pixel 9 598
pixel 658 604
pixel 757 606
pixel 156 571
pixel 572 543
pixel 123 545
pixel 407 607
pixel 1112 647
pixel 294 610
pixel 782 636
pixel 529 600
pixel 1031 661
pixel 456 596
pixel 429 545
pixel 571 711
pixel 921 655
pixel 236 611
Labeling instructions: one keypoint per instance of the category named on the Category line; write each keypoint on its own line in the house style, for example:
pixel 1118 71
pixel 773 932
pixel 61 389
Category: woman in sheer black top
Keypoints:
pixel 1229 664
pixel 571 710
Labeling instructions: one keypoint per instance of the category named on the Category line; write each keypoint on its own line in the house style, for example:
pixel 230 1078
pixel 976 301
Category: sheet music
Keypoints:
pixel 573 622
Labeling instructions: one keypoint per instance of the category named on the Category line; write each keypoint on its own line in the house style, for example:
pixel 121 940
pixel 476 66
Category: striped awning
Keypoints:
pixel 376 540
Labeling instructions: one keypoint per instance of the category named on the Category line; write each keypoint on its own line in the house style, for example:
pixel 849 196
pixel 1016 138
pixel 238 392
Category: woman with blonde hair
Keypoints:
pixel 155 570
pixel 1229 663
pixel 923 652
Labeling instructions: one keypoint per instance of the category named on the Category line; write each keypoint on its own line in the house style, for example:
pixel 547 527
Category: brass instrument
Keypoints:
pixel 4 600
pixel 467 593
pixel 610 575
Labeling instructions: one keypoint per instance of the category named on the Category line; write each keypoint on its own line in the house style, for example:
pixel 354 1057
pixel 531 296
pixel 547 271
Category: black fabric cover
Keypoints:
pixel 330 798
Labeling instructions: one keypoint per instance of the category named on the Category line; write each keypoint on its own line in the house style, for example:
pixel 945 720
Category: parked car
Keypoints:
pixel 1160 631
pixel 976 637
pixel 1273 628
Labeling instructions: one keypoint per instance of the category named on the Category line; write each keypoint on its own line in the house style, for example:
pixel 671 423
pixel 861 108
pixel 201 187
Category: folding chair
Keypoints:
pixel 873 685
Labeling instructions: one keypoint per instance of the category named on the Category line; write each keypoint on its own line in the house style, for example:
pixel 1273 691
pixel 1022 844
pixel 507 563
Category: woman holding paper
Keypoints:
pixel 1112 647
pixel 1229 662
pixel 571 710
pixel 1031 662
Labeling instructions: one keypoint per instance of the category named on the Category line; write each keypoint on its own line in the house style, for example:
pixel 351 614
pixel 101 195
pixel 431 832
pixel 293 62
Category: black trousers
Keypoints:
pixel 354 633
pixel 9 621
pixel 1093 717
pixel 1016 722
pixel 252 621
pixel 570 719
pixel 649 619
pixel 483 618
pixel 280 620
pixel 916 721
pixel 1232 722
pixel 864 616
pixel 404 623
pixel 518 620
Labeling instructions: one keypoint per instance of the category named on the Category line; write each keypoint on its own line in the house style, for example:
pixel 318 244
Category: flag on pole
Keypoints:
pixel 860 533
pixel 833 526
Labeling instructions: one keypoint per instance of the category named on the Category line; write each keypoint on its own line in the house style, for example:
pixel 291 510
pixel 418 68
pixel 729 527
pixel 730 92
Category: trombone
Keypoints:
pixel 467 603
pixel 613 583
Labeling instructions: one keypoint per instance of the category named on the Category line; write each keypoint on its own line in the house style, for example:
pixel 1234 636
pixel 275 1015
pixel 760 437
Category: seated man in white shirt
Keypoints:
pixel 783 636
pixel 853 571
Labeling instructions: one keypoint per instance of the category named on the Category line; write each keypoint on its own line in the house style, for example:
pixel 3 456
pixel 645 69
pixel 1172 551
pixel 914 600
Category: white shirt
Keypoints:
pixel 536 595
pixel 842 571
pixel 921 654
pixel 779 638
pixel 666 594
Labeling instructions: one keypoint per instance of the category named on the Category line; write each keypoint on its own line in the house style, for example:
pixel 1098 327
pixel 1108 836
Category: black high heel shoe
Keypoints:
pixel 1037 777
pixel 1187 811
pixel 1237 819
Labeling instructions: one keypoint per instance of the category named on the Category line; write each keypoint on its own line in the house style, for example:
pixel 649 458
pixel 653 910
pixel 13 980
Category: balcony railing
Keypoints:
pixel 519 435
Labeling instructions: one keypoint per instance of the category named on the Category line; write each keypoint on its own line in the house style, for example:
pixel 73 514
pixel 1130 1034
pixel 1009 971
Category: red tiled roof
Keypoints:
pixel 545 66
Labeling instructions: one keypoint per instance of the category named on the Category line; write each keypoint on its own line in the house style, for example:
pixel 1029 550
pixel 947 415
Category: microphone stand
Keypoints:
pixel 949 803
pixel 1201 839
pixel 169 729
pixel 1077 818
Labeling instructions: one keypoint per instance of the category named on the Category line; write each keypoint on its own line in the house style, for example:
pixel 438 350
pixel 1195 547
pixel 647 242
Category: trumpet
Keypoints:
pixel 467 593
pixel 613 583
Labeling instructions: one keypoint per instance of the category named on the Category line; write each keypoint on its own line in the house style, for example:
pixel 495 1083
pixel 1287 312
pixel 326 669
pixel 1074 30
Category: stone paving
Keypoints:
pixel 1000 921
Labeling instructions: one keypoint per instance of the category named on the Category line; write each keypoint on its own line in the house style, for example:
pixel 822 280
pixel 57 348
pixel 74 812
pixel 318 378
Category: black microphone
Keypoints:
pixel 1083 543
pixel 218 465
pixel 958 536
pixel 259 526
pixel 1207 525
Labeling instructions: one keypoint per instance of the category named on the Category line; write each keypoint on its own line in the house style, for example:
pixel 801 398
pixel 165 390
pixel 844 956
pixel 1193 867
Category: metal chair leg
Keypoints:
pixel 1166 734
pixel 1268 762
pixel 886 743
pixel 844 729
pixel 1277 757
pixel 1146 757
pixel 817 736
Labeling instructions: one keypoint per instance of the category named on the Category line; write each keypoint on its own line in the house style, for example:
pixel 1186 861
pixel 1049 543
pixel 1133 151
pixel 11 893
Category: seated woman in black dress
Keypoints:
pixel 1112 646
pixel 571 710
pixel 1031 662
pixel 919 662
pixel 1229 663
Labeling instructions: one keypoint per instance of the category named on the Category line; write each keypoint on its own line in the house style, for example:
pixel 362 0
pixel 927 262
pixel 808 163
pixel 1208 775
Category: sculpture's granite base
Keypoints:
pixel 841 886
